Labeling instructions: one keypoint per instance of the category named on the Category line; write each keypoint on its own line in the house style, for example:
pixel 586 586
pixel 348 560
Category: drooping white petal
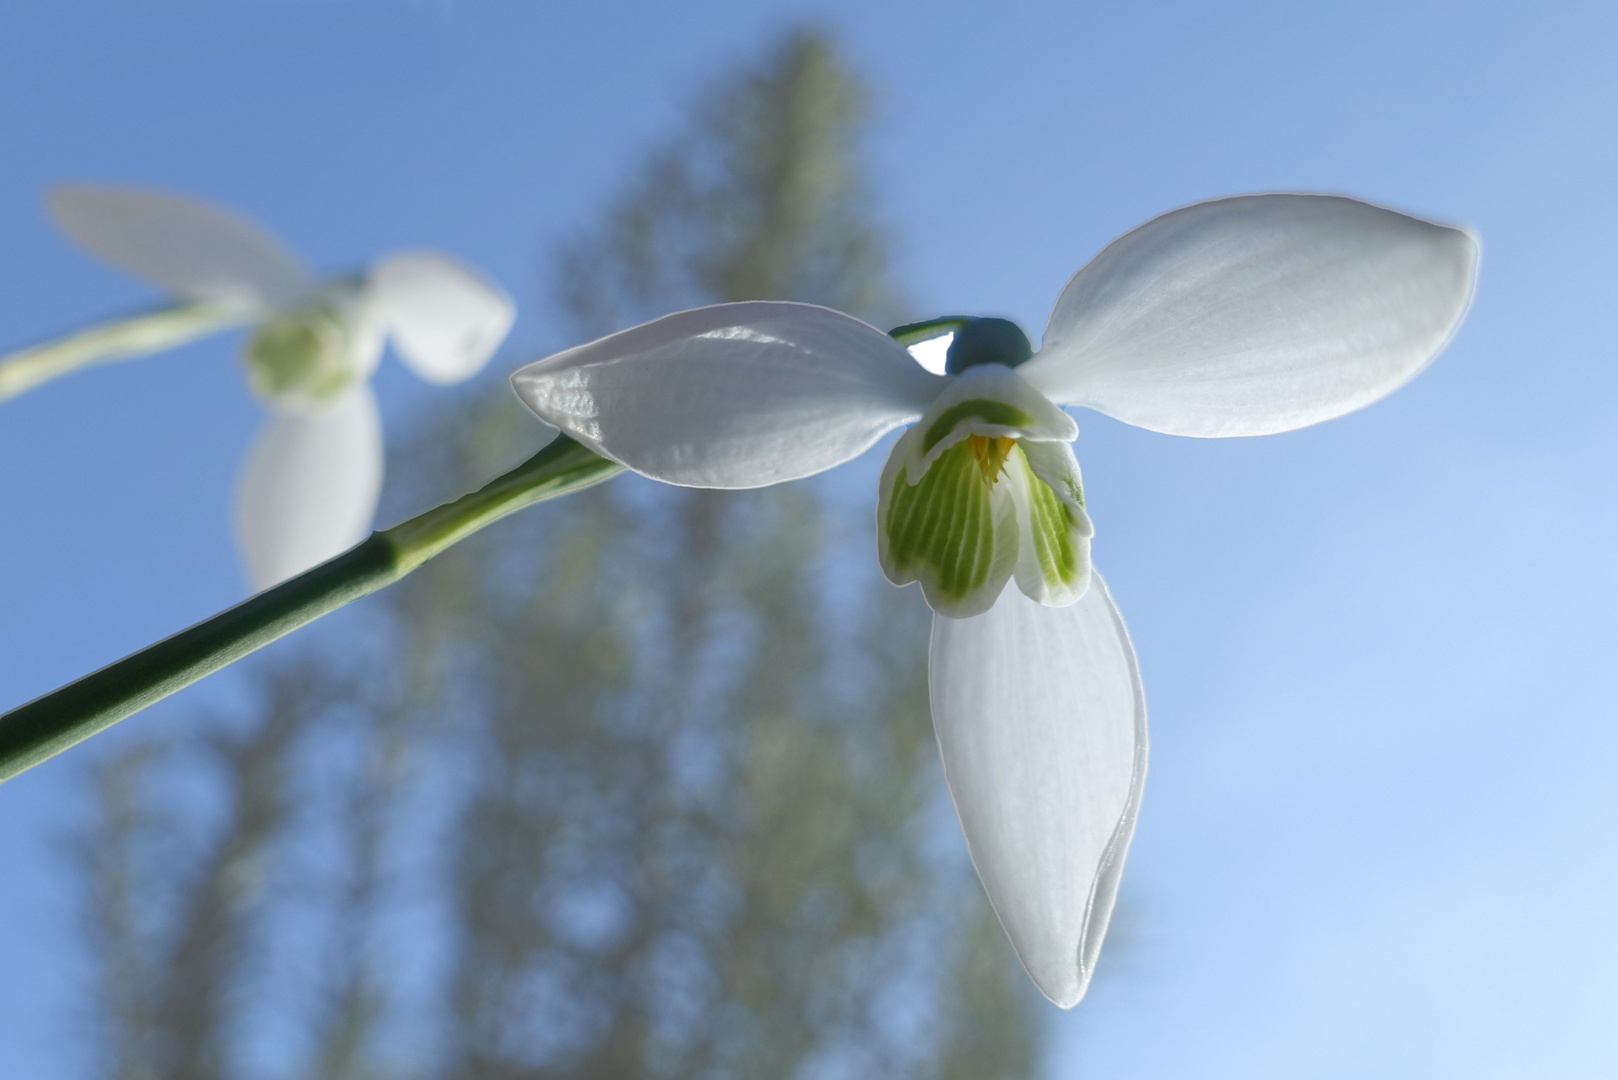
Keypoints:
pixel 733 395
pixel 446 319
pixel 310 487
pixel 1042 725
pixel 1255 314
pixel 195 250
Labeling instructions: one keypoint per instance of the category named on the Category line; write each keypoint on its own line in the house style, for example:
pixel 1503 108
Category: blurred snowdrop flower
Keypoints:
pixel 1239 316
pixel 312 479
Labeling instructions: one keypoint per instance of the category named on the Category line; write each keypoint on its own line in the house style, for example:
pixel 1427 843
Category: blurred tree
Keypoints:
pixel 762 199
pixel 634 803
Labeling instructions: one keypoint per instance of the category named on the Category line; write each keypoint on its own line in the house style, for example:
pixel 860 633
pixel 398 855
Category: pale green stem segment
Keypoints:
pixel 48 725
pixel 121 339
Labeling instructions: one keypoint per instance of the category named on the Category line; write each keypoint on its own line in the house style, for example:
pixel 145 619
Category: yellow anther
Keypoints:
pixel 991 452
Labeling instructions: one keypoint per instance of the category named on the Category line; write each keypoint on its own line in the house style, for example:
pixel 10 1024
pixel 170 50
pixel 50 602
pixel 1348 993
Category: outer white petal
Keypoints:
pixel 446 319
pixel 1042 724
pixel 734 395
pixel 197 251
pixel 1255 314
pixel 310 487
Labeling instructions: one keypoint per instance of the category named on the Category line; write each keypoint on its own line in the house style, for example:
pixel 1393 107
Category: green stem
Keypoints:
pixel 121 339
pixel 43 728
pixel 911 333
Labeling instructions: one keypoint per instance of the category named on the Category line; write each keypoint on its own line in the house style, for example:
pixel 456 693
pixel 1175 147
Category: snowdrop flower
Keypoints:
pixel 1240 316
pixel 311 481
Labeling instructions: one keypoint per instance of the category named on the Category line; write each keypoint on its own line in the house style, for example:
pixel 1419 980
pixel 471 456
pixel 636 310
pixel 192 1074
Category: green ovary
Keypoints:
pixel 945 521
pixel 304 354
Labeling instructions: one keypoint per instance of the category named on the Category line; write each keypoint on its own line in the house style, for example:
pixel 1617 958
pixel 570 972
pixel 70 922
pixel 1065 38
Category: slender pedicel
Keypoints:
pixel 43 728
pixel 118 339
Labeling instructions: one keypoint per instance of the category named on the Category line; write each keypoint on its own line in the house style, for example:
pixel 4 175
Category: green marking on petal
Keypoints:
pixel 944 523
pixel 1075 490
pixel 1051 523
pixel 990 412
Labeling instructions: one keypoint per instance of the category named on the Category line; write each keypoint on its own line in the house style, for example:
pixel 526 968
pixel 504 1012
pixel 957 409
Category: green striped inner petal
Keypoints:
pixel 1051 523
pixel 984 409
pixel 944 523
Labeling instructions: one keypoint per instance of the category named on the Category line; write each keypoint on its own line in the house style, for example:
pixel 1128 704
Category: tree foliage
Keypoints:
pixel 609 791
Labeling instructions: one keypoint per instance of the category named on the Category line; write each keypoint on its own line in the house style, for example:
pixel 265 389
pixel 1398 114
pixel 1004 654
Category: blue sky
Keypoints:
pixel 1377 835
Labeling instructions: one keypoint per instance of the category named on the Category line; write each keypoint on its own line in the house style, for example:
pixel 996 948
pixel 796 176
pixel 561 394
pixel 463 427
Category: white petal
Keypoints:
pixel 1255 314
pixel 310 487
pixel 1042 725
pixel 1055 464
pixel 1053 528
pixel 734 395
pixel 446 318
pixel 197 251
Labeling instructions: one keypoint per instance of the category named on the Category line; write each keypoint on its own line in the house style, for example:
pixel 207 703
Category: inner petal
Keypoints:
pixel 981 410
pixel 955 529
pixel 1053 560
pixel 989 400
pixel 984 486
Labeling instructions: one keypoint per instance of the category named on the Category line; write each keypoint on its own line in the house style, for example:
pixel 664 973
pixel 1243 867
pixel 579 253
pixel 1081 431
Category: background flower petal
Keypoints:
pixel 310 487
pixel 446 319
pixel 1255 314
pixel 1042 725
pixel 733 395
pixel 192 249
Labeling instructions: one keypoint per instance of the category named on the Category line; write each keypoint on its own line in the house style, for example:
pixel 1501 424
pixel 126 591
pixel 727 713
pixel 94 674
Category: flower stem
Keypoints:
pixel 43 728
pixel 121 339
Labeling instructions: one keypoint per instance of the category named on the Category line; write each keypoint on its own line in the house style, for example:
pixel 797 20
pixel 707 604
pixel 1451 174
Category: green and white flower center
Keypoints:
pixel 982 489
pixel 308 356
